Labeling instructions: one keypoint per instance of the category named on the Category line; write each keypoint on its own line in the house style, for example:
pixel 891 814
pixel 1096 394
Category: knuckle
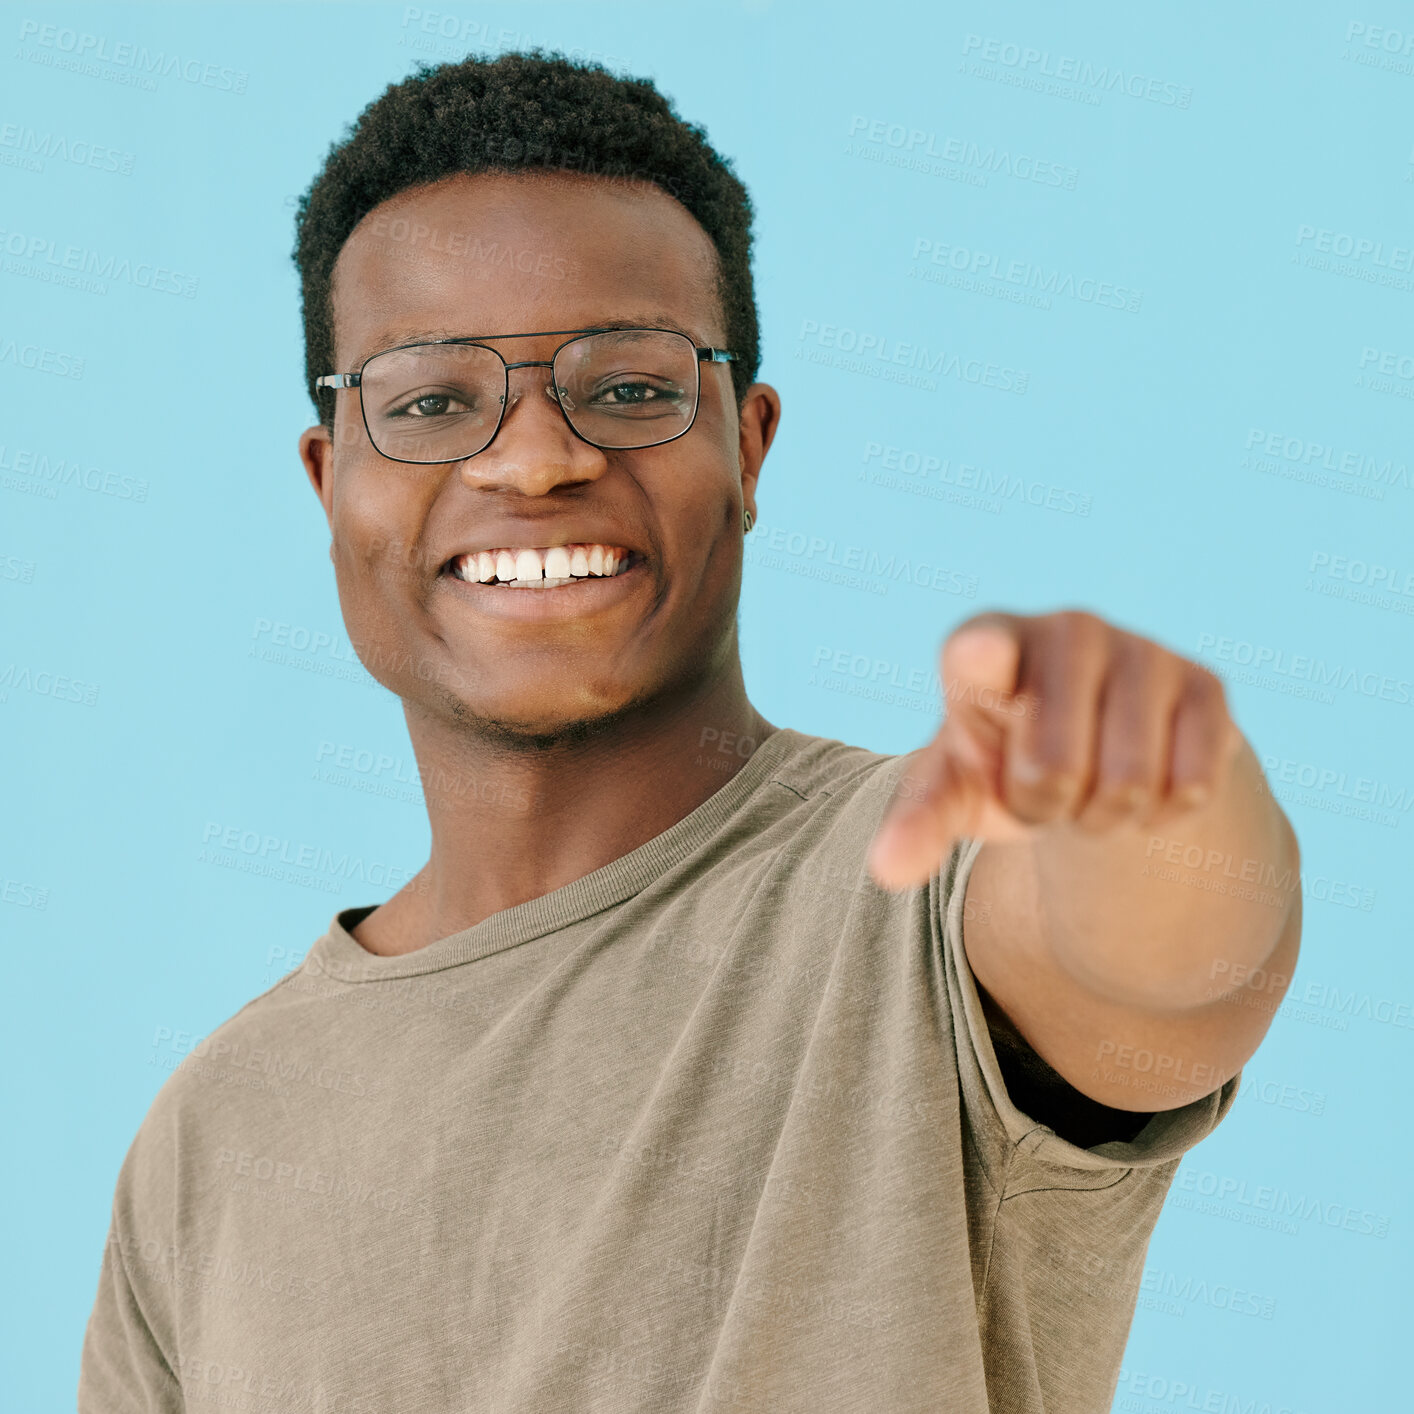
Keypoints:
pixel 1052 756
pixel 1077 623
pixel 1047 782
pixel 1230 741
pixel 984 618
pixel 1099 814
pixel 1207 687
pixel 1144 650
pixel 1129 773
pixel 1126 793
pixel 1146 659
pixel 1193 791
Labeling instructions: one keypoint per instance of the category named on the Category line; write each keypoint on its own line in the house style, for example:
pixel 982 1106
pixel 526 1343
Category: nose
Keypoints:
pixel 514 396
pixel 534 449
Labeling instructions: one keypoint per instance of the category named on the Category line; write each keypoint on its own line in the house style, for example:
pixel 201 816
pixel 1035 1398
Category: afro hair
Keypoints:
pixel 520 112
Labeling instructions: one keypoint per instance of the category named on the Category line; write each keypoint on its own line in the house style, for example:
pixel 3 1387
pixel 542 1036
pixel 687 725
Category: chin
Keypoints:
pixel 532 723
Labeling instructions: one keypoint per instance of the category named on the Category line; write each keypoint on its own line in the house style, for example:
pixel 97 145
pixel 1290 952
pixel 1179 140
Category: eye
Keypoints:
pixel 634 392
pixel 627 393
pixel 430 405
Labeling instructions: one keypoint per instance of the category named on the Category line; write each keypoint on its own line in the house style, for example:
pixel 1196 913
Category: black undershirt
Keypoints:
pixel 1046 1096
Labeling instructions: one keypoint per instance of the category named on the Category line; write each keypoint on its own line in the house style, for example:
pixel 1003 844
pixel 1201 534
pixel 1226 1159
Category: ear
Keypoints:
pixel 316 451
pixel 760 416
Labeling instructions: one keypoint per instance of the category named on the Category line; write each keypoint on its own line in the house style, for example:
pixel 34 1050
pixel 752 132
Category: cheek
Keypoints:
pixel 698 540
pixel 716 421
pixel 376 516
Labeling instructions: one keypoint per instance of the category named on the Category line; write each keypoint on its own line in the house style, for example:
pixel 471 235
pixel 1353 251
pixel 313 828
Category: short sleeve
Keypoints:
pixel 127 1362
pixel 1005 1133
pixel 1062 1230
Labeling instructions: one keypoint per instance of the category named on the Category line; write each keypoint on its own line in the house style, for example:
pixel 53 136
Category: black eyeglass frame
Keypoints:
pixel 705 354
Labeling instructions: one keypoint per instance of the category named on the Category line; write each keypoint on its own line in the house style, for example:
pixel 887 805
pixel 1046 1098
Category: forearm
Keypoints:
pixel 1166 916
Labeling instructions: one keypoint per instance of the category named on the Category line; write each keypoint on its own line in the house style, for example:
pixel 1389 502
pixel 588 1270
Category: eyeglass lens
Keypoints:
pixel 443 402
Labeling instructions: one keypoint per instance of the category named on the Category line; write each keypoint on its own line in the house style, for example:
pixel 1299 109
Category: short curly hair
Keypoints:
pixel 522 111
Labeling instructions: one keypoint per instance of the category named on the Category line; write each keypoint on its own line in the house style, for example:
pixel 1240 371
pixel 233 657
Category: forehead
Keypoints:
pixel 505 253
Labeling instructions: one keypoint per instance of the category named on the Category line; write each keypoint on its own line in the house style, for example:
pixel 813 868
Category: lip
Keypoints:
pixel 585 596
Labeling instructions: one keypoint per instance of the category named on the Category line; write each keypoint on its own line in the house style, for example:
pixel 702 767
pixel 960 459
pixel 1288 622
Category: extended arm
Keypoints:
pixel 1142 887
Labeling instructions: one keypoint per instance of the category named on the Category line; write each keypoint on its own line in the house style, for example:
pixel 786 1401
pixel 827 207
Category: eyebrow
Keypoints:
pixel 394 338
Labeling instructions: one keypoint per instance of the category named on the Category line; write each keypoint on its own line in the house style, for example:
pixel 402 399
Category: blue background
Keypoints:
pixel 1155 465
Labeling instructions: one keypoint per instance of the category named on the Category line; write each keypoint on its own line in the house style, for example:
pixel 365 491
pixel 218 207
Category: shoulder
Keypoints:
pixel 822 800
pixel 850 786
pixel 816 767
pixel 218 1074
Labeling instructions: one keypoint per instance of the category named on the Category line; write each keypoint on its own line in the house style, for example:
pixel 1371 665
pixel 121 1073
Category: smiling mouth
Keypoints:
pixel 550 567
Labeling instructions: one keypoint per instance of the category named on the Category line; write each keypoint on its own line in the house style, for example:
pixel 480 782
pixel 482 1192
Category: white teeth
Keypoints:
pixel 552 566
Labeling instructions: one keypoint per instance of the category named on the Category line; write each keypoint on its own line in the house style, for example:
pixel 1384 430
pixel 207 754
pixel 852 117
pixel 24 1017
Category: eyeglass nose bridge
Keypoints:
pixel 556 395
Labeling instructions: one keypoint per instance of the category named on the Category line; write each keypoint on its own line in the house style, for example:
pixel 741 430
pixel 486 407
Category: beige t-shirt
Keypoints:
pixel 717 1126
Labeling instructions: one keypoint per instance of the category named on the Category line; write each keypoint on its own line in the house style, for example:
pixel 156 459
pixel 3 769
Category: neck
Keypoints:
pixel 509 825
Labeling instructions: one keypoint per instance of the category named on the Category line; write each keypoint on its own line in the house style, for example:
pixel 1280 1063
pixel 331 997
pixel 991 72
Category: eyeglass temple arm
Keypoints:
pixel 716 356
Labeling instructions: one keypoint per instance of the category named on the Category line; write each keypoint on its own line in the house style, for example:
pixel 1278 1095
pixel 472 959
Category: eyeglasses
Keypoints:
pixel 444 401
